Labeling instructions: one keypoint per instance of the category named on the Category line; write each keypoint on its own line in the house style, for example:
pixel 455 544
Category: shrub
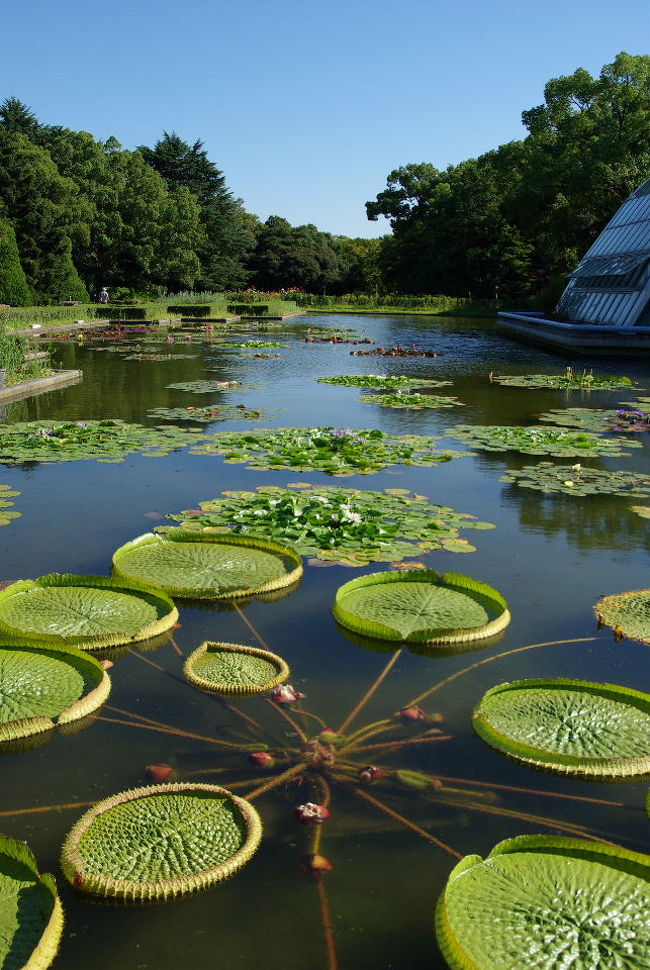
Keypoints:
pixel 189 310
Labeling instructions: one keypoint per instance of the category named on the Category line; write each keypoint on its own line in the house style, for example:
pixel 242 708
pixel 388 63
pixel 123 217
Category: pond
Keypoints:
pixel 551 556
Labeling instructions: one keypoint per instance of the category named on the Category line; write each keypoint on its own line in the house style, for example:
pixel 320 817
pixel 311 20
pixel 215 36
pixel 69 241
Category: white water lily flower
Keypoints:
pixel 576 468
pixel 569 484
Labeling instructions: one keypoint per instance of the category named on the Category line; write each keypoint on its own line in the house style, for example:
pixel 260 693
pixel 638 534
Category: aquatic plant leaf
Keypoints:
pixel 88 611
pixel 200 566
pixel 31 916
pixel 410 400
pixel 160 841
pixel 206 415
pixel 589 419
pixel 207 387
pixel 642 510
pixel 547 902
pixel 76 440
pixel 381 382
pixel 251 344
pixel 568 727
pixel 336 451
pixel 339 524
pixel 538 440
pixel 231 668
pixel 421 607
pixel 567 381
pixel 628 613
pixel 577 480
pixel 7 492
pixel 41 686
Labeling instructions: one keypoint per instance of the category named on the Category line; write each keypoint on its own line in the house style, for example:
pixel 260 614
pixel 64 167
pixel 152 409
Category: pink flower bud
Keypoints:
pixel 159 773
pixel 261 759
pixel 285 694
pixel 412 713
pixel 370 773
pixel 316 863
pixel 311 814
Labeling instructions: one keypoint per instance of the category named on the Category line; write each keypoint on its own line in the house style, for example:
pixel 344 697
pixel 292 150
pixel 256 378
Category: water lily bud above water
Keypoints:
pixel 316 863
pixel 261 759
pixel 159 773
pixel 411 714
pixel 371 773
pixel 311 814
pixel 285 694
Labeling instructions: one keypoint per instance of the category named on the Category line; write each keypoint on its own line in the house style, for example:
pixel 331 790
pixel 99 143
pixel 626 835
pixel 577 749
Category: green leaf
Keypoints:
pixel 627 612
pixel 190 564
pixel 569 727
pixel 547 902
pixel 230 668
pixel 160 841
pixel 421 607
pixel 31 917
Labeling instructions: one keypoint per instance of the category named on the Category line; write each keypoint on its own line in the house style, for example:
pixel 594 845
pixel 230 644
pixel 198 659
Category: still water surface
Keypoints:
pixel 552 557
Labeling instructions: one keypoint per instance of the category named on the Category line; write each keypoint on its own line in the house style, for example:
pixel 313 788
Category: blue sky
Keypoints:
pixel 307 105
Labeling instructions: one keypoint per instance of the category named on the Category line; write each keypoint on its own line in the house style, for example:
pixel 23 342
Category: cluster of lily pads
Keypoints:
pixel 539 440
pixel 381 382
pixel 208 414
pixel 411 401
pixel 585 381
pixel 618 419
pixel 251 344
pixel 207 387
pixel 107 440
pixel 337 451
pixel 350 526
pixel 7 511
pixel 578 480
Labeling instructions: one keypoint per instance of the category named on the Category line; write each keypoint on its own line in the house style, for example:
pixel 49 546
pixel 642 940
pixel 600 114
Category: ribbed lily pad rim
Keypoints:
pixel 616 598
pixel 451 946
pixel 98 641
pixel 26 726
pixel 211 646
pixel 190 592
pixel 72 860
pixel 46 948
pixel 605 769
pixel 456 581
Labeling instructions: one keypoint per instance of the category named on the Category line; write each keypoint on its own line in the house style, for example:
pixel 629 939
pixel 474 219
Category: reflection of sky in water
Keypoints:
pixel 551 558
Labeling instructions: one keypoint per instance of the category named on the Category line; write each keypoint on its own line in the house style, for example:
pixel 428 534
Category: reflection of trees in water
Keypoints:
pixel 589 523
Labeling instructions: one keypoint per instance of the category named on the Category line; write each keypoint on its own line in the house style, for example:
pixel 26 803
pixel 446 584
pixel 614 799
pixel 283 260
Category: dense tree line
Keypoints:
pixel 77 214
pixel 528 210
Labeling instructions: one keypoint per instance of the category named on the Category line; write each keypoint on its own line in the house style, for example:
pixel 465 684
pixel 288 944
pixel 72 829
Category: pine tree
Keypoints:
pixel 14 288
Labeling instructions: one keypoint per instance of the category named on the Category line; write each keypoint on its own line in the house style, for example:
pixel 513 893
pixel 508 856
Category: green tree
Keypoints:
pixel 14 288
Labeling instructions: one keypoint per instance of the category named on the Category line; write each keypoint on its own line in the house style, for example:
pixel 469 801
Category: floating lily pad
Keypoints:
pixel 584 381
pixel 568 727
pixel 160 841
pixel 206 415
pixel 31 916
pixel 43 686
pixel 591 419
pixel 538 441
pixel 641 510
pixel 627 613
pixel 421 607
pixel 381 382
pixel 6 516
pixel 75 440
pixel 87 611
pixel 338 524
pixel 160 356
pixel 206 387
pixel 411 400
pixel 336 451
pixel 577 480
pixel 198 566
pixel 251 344
pixel 231 668
pixel 547 902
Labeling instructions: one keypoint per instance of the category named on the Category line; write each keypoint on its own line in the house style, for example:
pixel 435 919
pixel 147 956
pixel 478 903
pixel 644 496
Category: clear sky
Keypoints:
pixel 307 105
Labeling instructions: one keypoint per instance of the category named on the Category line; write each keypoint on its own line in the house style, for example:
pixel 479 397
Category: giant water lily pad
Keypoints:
pixel 232 668
pixel 421 606
pixel 191 564
pixel 578 480
pixel 538 441
pixel 411 401
pixel 569 727
pixel 87 611
pixel 336 524
pixel 627 613
pixel 43 686
pixel 31 917
pixel 381 382
pixel 584 381
pixel 160 841
pixel 336 451
pixel 108 440
pixel 547 902
pixel 592 419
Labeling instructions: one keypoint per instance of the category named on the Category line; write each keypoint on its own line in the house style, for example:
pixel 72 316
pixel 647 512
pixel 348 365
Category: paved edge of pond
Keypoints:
pixel 16 392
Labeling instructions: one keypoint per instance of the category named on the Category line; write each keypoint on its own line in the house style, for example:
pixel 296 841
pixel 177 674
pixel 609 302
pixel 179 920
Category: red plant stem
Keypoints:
pixel 250 626
pixel 391 745
pixel 525 817
pixel 326 920
pixel 245 717
pixel 314 717
pixel 497 656
pixel 175 731
pixel 366 697
pixel 407 822
pixel 176 648
pixel 287 717
pixel 278 780
pixel 145 660
pixel 531 791
pixel 139 717
pixel 376 727
pixel 47 808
